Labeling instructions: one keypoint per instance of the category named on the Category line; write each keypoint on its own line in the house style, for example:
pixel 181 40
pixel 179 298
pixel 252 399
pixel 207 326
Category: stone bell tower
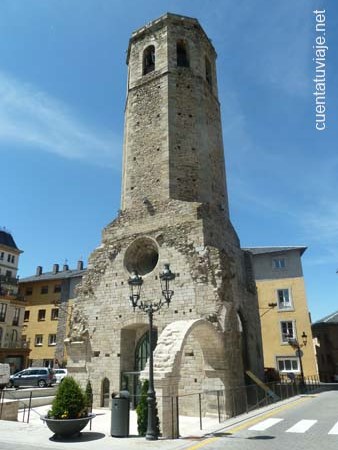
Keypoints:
pixel 174 209
pixel 173 137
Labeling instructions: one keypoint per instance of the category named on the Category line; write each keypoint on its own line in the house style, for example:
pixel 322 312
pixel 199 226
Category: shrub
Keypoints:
pixel 89 395
pixel 142 412
pixel 69 402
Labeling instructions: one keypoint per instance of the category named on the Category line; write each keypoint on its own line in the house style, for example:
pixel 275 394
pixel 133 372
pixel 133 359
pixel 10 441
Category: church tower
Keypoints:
pixel 173 137
pixel 174 209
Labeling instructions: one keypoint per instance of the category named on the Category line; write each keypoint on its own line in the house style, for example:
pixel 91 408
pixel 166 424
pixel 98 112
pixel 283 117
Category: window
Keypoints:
pixel 54 314
pixel 279 263
pixel 288 330
pixel 57 288
pixel 52 339
pixel 38 340
pixel 142 350
pixel 16 317
pixel 3 309
pixel 14 337
pixel 208 74
pixel 1 332
pixel 8 273
pixel 41 314
pixel 288 364
pixel 13 259
pixel 182 56
pixel 29 291
pixel 148 59
pixel 284 299
pixel 26 316
pixel 9 257
pixel 2 255
pixel 44 290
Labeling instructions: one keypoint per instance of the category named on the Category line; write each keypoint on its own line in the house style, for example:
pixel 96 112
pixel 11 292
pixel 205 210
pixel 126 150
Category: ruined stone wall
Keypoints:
pixel 174 210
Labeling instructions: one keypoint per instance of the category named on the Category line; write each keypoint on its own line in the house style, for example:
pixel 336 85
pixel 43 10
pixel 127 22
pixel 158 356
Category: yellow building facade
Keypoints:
pixel 48 311
pixel 284 314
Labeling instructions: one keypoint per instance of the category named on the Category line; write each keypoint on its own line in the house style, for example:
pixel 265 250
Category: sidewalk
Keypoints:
pixel 36 433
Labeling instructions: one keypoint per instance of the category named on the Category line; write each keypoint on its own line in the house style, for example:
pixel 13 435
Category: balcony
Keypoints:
pixel 9 291
pixel 18 344
pixel 8 281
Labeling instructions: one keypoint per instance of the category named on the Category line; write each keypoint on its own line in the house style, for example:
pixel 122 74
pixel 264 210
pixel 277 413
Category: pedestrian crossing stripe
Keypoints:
pixel 302 426
pixel 334 429
pixel 265 424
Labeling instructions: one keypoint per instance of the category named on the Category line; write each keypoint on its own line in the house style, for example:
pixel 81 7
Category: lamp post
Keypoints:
pixel 271 306
pixel 296 345
pixel 135 283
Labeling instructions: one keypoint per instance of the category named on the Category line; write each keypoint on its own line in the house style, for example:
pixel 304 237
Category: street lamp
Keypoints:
pixel 271 306
pixel 135 283
pixel 297 346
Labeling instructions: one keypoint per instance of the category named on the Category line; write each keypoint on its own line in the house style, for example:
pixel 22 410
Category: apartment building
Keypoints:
pixel 48 311
pixel 14 349
pixel 284 314
pixel 326 332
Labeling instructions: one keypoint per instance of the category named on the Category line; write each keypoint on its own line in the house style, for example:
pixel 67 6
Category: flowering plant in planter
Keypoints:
pixel 70 411
pixel 69 402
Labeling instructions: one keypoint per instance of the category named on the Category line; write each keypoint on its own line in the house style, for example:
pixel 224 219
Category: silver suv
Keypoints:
pixel 34 376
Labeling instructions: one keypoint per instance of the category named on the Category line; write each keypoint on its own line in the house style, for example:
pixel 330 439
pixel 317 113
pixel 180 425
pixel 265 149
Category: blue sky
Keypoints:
pixel 62 94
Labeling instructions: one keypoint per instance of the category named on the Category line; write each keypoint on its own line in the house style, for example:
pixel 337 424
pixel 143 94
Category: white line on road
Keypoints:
pixel 261 426
pixel 301 426
pixel 334 430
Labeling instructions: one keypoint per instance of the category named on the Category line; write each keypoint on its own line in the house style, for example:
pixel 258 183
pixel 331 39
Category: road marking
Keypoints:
pixel 203 443
pixel 261 426
pixel 302 426
pixel 248 423
pixel 275 411
pixel 334 430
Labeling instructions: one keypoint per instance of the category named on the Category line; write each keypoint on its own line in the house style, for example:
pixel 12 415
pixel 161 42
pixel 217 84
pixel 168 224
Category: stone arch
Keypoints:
pixel 182 55
pixel 208 71
pixel 105 387
pixel 168 353
pixel 242 328
pixel 169 360
pixel 148 59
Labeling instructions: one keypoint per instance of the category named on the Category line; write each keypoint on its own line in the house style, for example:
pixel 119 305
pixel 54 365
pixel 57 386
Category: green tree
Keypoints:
pixel 142 412
pixel 89 395
pixel 69 402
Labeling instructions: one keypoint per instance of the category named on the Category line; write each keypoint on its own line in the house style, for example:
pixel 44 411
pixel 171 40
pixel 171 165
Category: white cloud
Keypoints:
pixel 29 117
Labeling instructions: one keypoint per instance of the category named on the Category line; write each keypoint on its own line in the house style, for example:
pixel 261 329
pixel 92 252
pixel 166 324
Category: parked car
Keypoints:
pixel 34 376
pixel 60 374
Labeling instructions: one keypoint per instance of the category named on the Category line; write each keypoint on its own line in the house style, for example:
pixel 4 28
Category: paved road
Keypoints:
pixel 308 424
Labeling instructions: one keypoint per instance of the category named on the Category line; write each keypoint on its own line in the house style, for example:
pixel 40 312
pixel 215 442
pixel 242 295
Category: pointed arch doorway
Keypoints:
pixel 130 380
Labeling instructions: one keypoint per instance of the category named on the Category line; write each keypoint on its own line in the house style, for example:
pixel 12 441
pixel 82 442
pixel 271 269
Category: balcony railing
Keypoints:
pixel 8 294
pixel 17 344
pixel 4 281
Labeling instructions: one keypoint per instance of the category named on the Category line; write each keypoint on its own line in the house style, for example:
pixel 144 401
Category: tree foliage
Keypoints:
pixel 69 402
pixel 142 412
pixel 89 395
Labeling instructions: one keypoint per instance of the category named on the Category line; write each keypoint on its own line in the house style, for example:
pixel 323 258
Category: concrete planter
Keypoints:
pixel 65 428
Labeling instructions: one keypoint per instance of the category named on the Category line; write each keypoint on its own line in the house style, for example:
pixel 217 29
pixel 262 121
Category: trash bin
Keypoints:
pixel 120 416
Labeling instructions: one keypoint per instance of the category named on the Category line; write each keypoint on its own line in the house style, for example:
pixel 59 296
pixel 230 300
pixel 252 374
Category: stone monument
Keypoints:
pixel 174 209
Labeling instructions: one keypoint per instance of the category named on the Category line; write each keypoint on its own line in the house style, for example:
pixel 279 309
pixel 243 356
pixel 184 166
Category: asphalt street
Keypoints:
pixel 308 424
